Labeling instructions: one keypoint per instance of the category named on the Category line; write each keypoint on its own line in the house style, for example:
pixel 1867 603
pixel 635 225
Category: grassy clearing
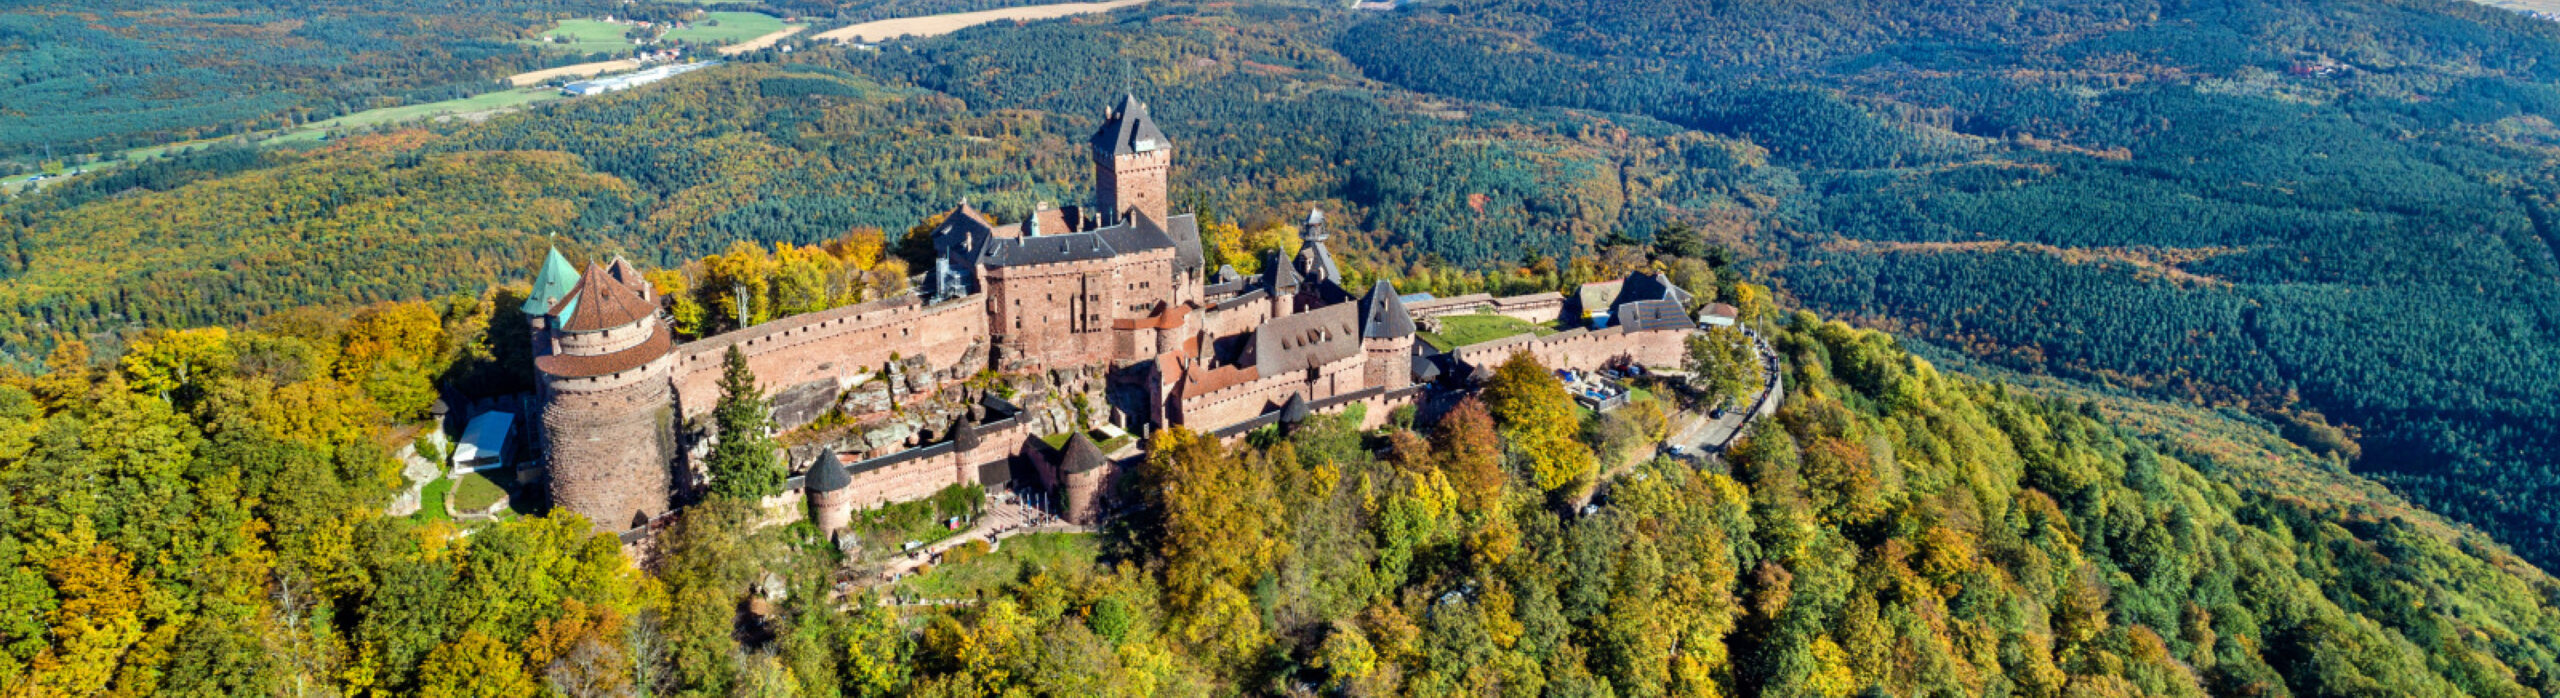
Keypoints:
pixel 1462 330
pixel 727 28
pixel 476 492
pixel 891 526
pixel 477 103
pixel 586 36
pixel 966 579
pixel 431 500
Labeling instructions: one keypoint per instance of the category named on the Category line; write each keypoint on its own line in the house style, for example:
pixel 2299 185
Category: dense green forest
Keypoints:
pixel 96 77
pixel 2334 218
pixel 2336 212
pixel 201 515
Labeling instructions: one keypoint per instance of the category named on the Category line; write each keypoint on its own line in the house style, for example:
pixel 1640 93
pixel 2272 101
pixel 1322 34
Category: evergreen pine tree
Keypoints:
pixel 743 465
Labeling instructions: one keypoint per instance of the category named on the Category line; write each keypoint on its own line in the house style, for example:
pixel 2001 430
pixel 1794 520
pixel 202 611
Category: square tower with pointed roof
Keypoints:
pixel 1131 161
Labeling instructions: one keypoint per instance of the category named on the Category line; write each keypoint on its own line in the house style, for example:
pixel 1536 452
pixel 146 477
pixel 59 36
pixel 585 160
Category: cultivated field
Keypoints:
pixel 761 41
pixel 468 105
pixel 572 71
pixel 2552 6
pixel 933 25
pixel 726 28
pixel 586 36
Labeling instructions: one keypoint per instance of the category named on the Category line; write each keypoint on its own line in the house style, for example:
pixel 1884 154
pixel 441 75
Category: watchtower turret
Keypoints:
pixel 1131 159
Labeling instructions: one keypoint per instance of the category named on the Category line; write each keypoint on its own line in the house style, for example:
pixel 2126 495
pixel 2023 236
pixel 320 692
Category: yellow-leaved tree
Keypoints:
pixel 1536 417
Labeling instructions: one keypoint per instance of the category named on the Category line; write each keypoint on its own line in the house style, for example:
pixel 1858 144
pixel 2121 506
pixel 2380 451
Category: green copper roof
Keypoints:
pixel 555 281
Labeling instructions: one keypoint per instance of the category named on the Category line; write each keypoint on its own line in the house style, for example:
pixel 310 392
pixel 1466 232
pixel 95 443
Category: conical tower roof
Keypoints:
pixel 607 297
pixel 1082 455
pixel 826 473
pixel 554 282
pixel 1296 410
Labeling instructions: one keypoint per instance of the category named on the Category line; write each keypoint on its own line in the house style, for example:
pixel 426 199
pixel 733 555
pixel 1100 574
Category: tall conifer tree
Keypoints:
pixel 743 465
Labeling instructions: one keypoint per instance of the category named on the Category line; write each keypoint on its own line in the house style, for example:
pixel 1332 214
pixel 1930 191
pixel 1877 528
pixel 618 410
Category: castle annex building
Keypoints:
pixel 1111 307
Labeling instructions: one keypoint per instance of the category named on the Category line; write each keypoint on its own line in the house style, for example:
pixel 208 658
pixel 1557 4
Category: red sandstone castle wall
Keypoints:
pixel 608 444
pixel 1584 350
pixel 922 477
pixel 1134 181
pixel 1542 308
pixel 1061 314
pixel 1238 320
pixel 834 345
pixel 1247 400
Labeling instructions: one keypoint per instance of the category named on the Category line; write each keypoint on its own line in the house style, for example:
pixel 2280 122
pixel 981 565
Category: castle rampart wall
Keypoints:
pixel 837 345
pixel 1541 308
pixel 1243 401
pixel 1584 350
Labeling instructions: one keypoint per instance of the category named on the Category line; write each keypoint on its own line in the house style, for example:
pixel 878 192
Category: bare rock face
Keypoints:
pixel 889 435
pixel 869 398
pixel 800 404
pixel 919 374
pixel 974 358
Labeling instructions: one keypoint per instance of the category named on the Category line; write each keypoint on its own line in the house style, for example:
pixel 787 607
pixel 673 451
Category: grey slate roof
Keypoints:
pixel 1129 130
pixel 1137 234
pixel 1296 410
pixel 1307 340
pixel 826 473
pixel 1662 314
pixel 1185 231
pixel 1647 287
pixel 1082 455
pixel 1282 276
pixel 1046 249
pixel 1383 315
pixel 963 233
pixel 1316 263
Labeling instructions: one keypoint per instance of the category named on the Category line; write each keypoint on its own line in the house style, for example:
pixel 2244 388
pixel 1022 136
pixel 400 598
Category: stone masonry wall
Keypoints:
pixel 609 449
pixel 921 477
pixel 1244 401
pixel 1584 350
pixel 838 346
pixel 1541 308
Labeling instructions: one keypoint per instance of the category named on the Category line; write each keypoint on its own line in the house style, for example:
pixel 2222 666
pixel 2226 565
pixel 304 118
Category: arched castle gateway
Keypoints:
pixel 1114 299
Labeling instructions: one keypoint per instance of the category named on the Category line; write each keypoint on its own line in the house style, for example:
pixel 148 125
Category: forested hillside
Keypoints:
pixel 804 153
pixel 2333 218
pixel 98 76
pixel 201 515
pixel 2325 213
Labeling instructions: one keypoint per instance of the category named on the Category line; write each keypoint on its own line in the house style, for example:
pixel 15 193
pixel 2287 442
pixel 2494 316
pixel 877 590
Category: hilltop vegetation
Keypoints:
pixel 97 77
pixel 2333 215
pixel 2333 219
pixel 201 514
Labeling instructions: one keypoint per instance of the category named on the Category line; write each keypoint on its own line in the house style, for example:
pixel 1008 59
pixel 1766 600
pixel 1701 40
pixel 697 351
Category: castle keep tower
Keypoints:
pixel 1130 160
pixel 608 427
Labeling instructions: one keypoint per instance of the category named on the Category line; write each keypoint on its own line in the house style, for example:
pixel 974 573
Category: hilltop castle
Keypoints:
pixel 1111 303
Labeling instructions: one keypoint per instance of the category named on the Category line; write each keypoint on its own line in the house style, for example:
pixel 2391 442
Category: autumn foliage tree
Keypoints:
pixel 1538 420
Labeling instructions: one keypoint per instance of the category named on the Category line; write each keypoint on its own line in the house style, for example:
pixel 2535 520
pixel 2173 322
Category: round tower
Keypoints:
pixel 830 490
pixel 608 409
pixel 1085 469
